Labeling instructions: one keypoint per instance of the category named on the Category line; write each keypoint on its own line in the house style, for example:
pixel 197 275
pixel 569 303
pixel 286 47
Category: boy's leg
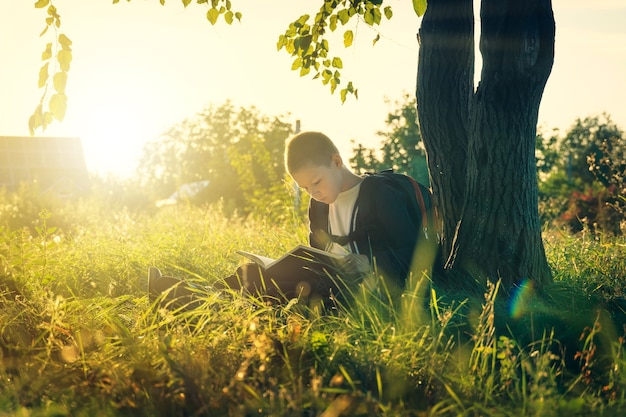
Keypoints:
pixel 302 283
pixel 175 293
pixel 249 279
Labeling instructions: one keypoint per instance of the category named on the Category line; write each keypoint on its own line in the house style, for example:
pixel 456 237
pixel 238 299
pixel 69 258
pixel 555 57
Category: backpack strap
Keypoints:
pixel 420 201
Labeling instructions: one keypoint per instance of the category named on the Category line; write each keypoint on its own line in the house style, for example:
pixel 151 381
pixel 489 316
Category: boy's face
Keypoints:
pixel 322 182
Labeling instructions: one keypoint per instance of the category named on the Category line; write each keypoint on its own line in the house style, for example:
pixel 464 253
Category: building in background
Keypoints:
pixel 56 164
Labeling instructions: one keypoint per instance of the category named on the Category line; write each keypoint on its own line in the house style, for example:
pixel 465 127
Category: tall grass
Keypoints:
pixel 80 337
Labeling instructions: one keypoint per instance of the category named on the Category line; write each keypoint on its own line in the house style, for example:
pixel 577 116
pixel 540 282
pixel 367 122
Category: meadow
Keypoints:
pixel 79 337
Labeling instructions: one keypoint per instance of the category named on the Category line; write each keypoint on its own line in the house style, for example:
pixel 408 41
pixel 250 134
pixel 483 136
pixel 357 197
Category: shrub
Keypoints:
pixel 597 209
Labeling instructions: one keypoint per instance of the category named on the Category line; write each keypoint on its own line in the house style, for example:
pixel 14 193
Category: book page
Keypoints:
pixel 300 252
pixel 262 261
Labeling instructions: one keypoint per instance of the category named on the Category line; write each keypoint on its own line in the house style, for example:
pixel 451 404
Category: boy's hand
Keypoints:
pixel 355 264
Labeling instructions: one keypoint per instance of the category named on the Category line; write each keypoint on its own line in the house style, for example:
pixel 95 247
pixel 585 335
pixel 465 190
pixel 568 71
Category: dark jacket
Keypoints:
pixel 385 227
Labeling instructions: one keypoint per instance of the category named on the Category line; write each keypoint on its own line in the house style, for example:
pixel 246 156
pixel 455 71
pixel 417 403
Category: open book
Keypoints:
pixel 300 257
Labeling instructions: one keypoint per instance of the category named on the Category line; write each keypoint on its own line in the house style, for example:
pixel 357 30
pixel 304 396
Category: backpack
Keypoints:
pixel 421 197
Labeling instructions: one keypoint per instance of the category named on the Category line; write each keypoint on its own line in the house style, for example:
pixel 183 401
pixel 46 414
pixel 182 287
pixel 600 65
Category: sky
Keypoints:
pixel 140 68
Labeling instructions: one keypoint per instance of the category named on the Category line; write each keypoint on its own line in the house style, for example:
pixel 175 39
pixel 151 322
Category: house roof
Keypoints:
pixel 47 160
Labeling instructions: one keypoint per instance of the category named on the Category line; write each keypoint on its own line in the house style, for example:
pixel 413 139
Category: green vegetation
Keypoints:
pixel 79 337
pixel 582 176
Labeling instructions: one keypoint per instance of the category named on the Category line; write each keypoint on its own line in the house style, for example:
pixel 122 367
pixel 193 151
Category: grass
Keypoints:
pixel 79 336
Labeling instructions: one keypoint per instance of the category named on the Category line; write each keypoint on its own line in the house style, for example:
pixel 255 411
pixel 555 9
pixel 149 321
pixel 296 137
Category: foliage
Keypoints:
pixel 302 40
pixel 79 337
pixel 52 104
pixel 401 147
pixel 239 151
pixel 582 171
pixel 598 209
pixel 609 167
pixel 307 39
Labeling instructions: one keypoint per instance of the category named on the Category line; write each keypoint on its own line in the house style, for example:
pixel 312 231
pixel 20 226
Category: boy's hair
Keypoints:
pixel 308 148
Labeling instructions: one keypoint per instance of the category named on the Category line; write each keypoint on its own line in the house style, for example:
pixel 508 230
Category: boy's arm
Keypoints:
pixel 318 220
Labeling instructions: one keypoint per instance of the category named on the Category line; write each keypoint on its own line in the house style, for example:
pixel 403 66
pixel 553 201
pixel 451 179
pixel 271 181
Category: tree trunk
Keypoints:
pixel 498 233
pixel 444 92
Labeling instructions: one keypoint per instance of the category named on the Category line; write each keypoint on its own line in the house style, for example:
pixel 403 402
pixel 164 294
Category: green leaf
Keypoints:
pixel 65 42
pixel 420 6
pixel 377 16
pixel 348 37
pixel 186 3
pixel 297 63
pixel 36 120
pixel 43 75
pixel 162 2
pixel 343 16
pixel 388 12
pixel 212 15
pixel 337 62
pixel 376 39
pixel 47 53
pixel 58 105
pixel 238 16
pixel 289 47
pixel 41 4
pixel 333 84
pixel 228 17
pixel 282 41
pixel 302 20
pixel 60 80
pixel 332 23
pixel 369 17
pixel 65 58
pixel 344 93
pixel 304 43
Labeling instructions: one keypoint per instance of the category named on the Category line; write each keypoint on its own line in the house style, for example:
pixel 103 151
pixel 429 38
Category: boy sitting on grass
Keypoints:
pixel 367 219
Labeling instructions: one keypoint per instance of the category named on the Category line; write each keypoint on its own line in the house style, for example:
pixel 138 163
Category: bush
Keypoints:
pixel 595 209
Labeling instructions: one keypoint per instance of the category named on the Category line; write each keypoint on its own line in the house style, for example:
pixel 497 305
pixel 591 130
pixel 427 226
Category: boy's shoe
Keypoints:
pixel 154 275
pixel 173 292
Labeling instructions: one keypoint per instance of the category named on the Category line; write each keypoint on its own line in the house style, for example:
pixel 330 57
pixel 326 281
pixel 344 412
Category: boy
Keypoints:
pixel 366 219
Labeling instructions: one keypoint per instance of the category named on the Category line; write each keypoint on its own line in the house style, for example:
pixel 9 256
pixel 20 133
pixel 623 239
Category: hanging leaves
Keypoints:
pixel 58 105
pixel 59 81
pixel 56 58
pixel 218 8
pixel 305 39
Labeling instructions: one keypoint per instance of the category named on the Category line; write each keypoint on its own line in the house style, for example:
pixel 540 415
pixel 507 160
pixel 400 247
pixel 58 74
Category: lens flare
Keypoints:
pixel 520 299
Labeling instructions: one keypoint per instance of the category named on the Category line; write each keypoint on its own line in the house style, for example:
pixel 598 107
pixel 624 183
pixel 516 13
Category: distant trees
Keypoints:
pixel 401 147
pixel 238 150
pixel 581 174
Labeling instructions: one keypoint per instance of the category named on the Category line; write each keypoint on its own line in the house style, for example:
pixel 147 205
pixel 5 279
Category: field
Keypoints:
pixel 79 336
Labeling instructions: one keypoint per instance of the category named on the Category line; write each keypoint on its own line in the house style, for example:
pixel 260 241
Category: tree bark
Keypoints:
pixel 445 78
pixel 498 232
